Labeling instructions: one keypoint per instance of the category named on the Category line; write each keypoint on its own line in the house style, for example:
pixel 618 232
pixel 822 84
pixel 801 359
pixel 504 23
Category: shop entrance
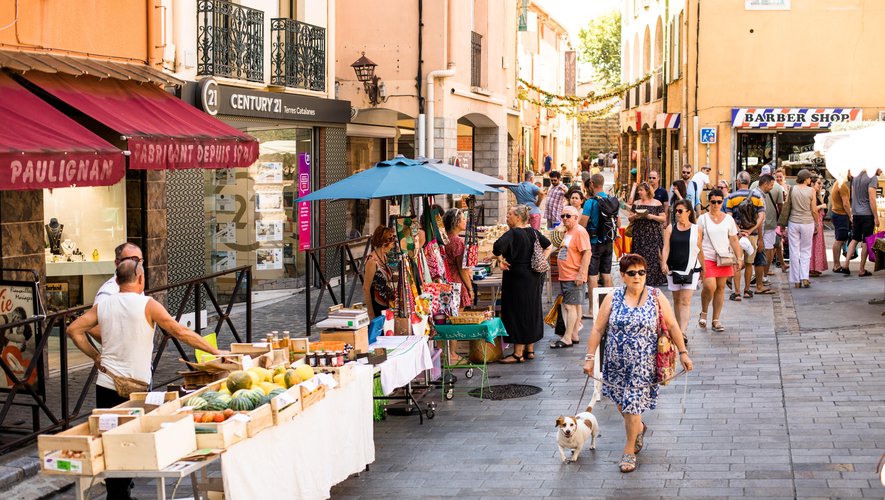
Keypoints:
pixel 790 150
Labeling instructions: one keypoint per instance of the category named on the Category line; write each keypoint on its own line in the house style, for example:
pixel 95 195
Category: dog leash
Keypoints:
pixel 614 386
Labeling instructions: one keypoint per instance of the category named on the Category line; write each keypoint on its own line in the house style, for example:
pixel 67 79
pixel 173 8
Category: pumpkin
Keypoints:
pixel 197 403
pixel 238 380
pixel 242 401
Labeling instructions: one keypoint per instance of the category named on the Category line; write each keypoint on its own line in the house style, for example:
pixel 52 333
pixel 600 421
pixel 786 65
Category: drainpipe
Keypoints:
pixel 439 73
pixel 152 38
pixel 419 127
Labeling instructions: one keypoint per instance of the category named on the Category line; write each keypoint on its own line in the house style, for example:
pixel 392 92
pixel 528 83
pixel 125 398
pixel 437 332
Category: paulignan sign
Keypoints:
pixel 793 117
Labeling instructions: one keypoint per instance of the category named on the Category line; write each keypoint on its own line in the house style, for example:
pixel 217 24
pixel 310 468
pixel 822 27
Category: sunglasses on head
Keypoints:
pixel 633 272
pixel 135 258
pixel 716 202
pixel 565 216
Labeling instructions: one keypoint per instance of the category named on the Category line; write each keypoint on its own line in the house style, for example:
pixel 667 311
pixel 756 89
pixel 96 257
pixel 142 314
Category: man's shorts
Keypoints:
pixel 535 221
pixel 601 258
pixel 761 260
pixel 842 226
pixel 572 294
pixel 863 227
pixel 769 238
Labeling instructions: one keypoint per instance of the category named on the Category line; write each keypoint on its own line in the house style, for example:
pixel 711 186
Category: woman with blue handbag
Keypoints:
pixel 681 260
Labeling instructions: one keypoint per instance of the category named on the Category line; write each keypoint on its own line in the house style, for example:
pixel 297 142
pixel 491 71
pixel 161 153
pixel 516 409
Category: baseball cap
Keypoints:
pixel 803 175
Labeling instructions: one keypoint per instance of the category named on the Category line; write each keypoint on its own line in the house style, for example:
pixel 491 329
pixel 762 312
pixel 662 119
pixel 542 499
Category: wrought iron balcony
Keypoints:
pixel 475 59
pixel 297 54
pixel 230 40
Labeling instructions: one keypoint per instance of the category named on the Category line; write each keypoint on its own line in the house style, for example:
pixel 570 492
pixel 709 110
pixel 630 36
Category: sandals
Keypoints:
pixel 767 291
pixel 529 355
pixel 806 284
pixel 748 294
pixel 841 270
pixel 735 297
pixel 864 274
pixel 640 439
pixel 559 345
pixel 717 326
pixel 628 463
pixel 513 358
pixel 702 321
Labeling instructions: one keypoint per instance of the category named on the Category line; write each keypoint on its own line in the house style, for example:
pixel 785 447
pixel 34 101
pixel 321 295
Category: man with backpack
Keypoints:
pixel 601 218
pixel 748 209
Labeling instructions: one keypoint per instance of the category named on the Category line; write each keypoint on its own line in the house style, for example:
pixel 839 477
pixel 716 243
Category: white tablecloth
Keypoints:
pixel 304 458
pixel 410 356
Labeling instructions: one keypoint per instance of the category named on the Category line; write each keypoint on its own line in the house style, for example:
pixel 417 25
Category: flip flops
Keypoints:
pixel 767 291
pixel 559 345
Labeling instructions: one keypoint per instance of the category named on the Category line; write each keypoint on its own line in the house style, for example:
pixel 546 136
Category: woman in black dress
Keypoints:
pixel 521 287
pixel 647 216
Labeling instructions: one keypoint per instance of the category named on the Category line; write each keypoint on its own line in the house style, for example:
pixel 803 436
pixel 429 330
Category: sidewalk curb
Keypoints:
pixel 18 470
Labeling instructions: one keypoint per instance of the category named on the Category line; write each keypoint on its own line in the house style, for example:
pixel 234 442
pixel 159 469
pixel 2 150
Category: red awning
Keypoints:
pixel 163 132
pixel 40 147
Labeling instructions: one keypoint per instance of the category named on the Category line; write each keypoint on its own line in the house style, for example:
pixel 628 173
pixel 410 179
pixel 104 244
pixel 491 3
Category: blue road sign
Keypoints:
pixel 708 135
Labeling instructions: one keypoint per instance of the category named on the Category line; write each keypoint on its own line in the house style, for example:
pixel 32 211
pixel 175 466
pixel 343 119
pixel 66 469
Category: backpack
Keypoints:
pixel 609 213
pixel 745 213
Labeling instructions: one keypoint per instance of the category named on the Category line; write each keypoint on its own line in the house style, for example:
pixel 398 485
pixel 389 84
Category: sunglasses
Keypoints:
pixel 632 273
pixel 565 216
pixel 652 178
pixel 716 202
pixel 681 211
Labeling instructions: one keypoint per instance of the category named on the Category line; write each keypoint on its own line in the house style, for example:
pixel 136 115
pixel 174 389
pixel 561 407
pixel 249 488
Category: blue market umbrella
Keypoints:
pixel 399 176
pixel 471 175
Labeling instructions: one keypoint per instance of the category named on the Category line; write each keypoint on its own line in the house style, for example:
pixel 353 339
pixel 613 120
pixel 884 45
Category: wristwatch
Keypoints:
pixel 683 352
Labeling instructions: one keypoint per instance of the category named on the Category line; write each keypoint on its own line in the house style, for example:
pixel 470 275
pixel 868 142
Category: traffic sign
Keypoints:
pixel 708 135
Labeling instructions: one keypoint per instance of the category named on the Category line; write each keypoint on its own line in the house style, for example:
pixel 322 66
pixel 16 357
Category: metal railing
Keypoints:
pixel 297 54
pixel 230 40
pixel 60 391
pixel 475 59
pixel 341 253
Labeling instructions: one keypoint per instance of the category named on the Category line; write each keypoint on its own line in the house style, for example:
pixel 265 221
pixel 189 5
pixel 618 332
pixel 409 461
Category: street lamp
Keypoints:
pixel 365 72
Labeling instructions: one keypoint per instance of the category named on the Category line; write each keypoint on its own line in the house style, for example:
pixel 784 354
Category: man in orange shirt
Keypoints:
pixel 573 261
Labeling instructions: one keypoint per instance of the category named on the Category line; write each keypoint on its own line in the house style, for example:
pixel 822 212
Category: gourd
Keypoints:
pixel 238 380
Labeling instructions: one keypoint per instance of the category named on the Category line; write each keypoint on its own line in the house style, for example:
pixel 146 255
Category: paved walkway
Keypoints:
pixel 787 403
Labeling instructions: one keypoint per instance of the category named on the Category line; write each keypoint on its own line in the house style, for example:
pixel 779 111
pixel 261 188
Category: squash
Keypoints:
pixel 291 378
pixel 280 378
pixel 242 401
pixel 267 387
pixel 238 380
pixel 305 372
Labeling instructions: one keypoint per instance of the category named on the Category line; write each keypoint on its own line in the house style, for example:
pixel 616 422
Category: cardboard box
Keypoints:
pixel 152 442
pixel 56 452
pixel 359 339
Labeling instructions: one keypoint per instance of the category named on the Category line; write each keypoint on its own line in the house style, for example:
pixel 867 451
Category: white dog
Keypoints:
pixel 573 433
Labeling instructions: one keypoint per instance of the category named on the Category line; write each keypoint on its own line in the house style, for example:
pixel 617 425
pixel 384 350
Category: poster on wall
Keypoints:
pixel 223 260
pixel 303 208
pixel 18 301
pixel 268 201
pixel 269 172
pixel 224 203
pixel 268 258
pixel 225 177
pixel 269 230
pixel 225 232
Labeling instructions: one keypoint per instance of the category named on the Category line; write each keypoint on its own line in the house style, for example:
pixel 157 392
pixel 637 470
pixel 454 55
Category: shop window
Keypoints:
pixel 795 151
pixel 363 215
pixel 82 226
pixel 251 212
pixel 754 151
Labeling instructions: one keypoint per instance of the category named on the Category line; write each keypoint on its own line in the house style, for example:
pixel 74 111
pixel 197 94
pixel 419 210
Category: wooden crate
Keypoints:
pixel 152 442
pixel 287 405
pixel 309 399
pixel 359 339
pixel 137 400
pixel 95 428
pixel 221 434
pixel 51 450
pixel 343 374
pixel 259 419
pixel 262 354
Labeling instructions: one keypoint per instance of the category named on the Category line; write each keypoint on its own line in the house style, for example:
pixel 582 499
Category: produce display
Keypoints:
pixel 244 391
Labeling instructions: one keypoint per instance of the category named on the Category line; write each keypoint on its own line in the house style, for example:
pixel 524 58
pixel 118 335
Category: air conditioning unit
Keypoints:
pixel 882 116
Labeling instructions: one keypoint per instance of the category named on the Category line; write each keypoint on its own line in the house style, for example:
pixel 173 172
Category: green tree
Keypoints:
pixel 601 47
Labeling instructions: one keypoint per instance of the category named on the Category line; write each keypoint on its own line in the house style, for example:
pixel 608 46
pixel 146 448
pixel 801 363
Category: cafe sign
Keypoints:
pixel 787 118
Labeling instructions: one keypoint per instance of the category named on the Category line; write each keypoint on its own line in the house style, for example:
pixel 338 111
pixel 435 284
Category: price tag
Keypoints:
pixel 241 417
pixel 247 362
pixel 285 399
pixel 310 385
pixel 262 345
pixel 155 398
pixel 108 422
pixel 327 380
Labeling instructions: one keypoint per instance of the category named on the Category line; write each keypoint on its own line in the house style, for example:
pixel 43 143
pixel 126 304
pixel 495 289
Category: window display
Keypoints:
pixel 250 212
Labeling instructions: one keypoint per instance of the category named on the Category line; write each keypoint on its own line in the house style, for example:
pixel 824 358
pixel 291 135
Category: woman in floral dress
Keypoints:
pixel 630 314
pixel 647 216
pixel 818 245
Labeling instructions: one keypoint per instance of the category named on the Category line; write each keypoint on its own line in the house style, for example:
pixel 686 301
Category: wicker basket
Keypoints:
pixel 470 317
